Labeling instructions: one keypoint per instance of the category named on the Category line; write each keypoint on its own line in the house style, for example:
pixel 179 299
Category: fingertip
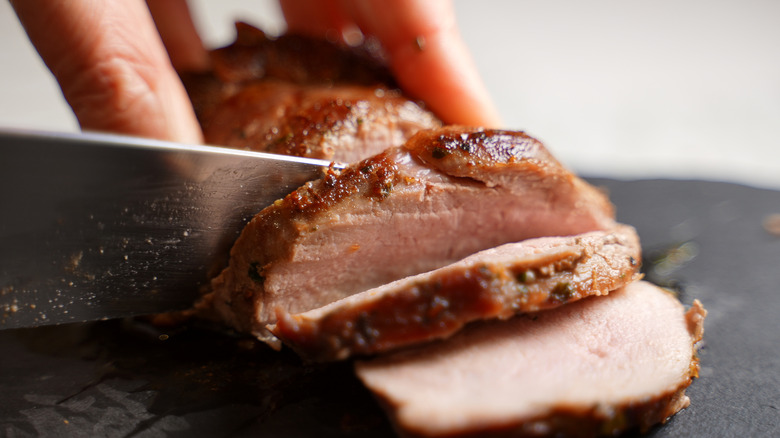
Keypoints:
pixel 444 77
pixel 429 58
pixel 179 35
pixel 319 18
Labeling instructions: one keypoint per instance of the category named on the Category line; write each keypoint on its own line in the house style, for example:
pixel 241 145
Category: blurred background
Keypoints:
pixel 615 88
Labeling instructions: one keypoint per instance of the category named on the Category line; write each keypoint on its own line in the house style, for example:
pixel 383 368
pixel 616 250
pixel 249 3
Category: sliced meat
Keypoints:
pixel 298 59
pixel 294 59
pixel 399 213
pixel 336 123
pixel 496 283
pixel 303 96
pixel 595 367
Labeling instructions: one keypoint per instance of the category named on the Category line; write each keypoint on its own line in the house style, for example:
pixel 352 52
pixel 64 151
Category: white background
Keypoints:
pixel 620 88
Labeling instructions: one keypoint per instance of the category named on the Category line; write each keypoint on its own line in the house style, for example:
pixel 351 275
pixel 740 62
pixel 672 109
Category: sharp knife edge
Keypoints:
pixel 97 226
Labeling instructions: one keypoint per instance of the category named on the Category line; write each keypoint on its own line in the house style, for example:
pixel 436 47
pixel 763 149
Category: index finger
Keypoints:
pixel 426 52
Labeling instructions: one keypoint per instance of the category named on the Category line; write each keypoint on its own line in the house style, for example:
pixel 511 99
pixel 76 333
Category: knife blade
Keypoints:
pixel 98 226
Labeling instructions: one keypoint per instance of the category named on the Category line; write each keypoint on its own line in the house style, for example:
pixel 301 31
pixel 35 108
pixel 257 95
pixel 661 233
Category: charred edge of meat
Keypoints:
pixel 295 59
pixel 437 309
pixel 572 423
pixel 312 121
pixel 374 178
pixel 310 125
pixel 299 131
pixel 458 151
pixel 299 59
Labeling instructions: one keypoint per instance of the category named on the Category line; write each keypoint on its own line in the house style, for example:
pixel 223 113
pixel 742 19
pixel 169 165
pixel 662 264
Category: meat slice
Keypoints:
pixel 303 96
pixel 294 59
pixel 338 123
pixel 595 367
pixel 298 59
pixel 402 212
pixel 496 283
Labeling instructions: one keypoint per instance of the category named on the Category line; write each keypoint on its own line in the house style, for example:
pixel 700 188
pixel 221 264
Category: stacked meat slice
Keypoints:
pixel 444 195
pixel 499 282
pixel 484 287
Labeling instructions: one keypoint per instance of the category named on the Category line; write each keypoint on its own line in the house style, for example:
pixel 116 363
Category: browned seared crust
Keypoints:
pixel 391 216
pixel 496 283
pixel 339 123
pixel 299 59
pixel 500 158
pixel 295 59
pixel 303 96
pixel 424 408
pixel 468 152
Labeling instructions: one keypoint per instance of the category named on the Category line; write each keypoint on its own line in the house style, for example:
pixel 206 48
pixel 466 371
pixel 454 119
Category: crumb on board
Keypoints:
pixel 772 224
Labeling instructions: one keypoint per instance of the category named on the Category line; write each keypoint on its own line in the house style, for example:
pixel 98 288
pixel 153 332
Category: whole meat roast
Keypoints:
pixel 481 286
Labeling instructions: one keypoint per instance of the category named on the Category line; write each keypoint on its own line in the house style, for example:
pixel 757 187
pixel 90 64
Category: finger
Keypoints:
pixel 320 18
pixel 428 57
pixel 111 65
pixel 178 33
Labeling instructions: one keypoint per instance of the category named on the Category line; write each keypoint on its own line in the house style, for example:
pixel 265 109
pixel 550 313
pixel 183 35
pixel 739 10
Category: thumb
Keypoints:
pixel 111 66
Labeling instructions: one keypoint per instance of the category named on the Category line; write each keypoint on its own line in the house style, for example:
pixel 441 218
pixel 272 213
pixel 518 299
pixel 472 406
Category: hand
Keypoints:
pixel 424 48
pixel 117 71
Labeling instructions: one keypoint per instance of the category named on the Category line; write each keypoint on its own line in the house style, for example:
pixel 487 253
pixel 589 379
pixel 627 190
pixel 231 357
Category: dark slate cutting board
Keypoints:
pixel 128 379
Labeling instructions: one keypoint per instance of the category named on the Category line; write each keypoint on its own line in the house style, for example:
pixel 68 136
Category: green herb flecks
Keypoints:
pixel 562 292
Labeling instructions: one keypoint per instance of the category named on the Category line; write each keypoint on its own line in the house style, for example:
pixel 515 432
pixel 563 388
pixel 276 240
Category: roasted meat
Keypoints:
pixel 594 367
pixel 509 270
pixel 495 283
pixel 444 195
pixel 297 95
pixel 298 59
pixel 339 123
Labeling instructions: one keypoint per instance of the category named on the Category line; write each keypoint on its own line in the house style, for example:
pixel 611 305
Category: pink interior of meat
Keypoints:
pixel 605 351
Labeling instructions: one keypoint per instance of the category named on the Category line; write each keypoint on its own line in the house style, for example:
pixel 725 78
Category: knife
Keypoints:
pixel 99 226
